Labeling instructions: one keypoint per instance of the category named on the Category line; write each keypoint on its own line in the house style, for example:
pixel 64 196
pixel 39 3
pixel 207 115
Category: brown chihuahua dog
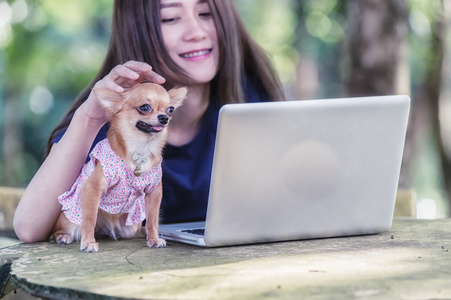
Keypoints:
pixel 121 184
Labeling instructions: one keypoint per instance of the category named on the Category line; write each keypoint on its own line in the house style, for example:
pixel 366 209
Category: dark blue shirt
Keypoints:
pixel 186 174
pixel 187 168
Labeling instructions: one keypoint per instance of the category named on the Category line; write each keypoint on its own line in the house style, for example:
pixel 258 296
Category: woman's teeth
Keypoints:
pixel 194 54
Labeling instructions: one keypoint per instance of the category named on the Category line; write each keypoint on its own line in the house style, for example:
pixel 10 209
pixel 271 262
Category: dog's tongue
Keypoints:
pixel 158 128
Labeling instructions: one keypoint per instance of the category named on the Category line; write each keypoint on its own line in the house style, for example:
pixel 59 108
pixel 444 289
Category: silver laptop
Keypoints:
pixel 300 170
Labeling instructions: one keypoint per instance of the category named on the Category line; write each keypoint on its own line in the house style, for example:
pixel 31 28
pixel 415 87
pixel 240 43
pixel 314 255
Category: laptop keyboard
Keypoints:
pixel 200 231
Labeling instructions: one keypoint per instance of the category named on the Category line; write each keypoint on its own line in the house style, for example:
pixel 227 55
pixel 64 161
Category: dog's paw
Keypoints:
pixel 64 239
pixel 156 243
pixel 89 247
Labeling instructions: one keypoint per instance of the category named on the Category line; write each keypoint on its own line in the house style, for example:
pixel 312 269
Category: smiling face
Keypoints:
pixel 190 38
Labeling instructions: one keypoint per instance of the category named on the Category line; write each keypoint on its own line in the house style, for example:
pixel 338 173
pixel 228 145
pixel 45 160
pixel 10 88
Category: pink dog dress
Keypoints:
pixel 125 192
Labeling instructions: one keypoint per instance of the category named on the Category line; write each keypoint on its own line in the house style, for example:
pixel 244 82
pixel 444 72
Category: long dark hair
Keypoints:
pixel 136 35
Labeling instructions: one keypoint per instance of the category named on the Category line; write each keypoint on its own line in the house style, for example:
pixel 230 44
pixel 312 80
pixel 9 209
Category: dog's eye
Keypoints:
pixel 145 108
pixel 170 110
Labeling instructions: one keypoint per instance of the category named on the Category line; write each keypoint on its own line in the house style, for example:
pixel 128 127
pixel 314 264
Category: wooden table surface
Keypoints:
pixel 411 261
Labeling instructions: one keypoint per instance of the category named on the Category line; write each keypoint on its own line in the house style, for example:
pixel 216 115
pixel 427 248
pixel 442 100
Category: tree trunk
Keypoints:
pixel 432 86
pixel 378 62
pixel 376 35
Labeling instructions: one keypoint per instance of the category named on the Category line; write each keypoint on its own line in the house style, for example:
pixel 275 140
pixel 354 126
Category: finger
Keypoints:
pixel 109 84
pixel 123 71
pixel 138 66
pixel 146 71
pixel 116 87
pixel 154 77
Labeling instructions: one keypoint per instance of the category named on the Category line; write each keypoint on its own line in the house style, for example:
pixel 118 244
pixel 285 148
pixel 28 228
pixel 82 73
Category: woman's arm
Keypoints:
pixel 38 209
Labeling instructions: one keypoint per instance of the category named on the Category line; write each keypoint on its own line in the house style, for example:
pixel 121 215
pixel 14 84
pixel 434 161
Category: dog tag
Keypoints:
pixel 137 171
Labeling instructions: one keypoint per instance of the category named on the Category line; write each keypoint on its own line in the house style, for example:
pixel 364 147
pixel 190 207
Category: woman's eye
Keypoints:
pixel 145 108
pixel 169 20
pixel 205 15
pixel 170 110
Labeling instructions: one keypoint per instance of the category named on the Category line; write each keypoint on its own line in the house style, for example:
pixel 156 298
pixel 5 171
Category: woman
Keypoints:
pixel 201 44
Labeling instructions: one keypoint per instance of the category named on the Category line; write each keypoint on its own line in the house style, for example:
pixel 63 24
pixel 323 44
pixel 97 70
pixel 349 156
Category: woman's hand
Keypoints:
pixel 121 79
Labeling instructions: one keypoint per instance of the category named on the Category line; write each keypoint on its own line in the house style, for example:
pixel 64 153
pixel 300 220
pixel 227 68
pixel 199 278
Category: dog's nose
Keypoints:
pixel 163 119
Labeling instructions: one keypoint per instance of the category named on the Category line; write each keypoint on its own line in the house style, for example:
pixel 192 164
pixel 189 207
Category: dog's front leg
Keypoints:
pixel 91 192
pixel 153 201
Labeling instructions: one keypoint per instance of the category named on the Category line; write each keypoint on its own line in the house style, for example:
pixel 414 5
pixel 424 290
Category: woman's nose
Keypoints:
pixel 194 29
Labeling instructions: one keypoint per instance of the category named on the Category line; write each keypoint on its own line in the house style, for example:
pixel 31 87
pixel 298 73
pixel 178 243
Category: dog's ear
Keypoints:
pixel 177 96
pixel 110 100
